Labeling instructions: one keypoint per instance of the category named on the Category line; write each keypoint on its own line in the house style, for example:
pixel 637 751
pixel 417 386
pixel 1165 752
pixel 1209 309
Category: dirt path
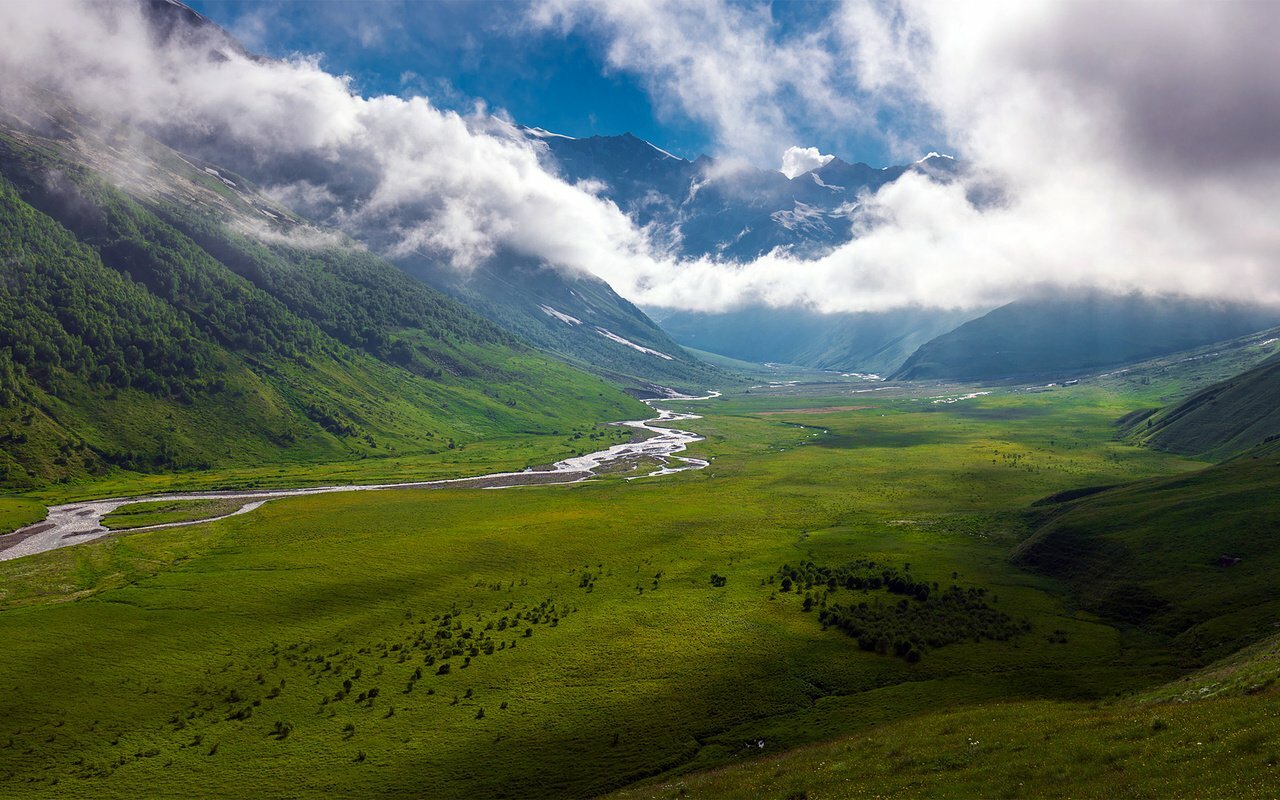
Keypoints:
pixel 75 523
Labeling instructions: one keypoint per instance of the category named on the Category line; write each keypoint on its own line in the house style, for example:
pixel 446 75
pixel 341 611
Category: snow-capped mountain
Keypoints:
pixel 706 208
pixel 735 213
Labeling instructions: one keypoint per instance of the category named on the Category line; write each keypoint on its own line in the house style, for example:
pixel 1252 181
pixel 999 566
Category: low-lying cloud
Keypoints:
pixel 1155 171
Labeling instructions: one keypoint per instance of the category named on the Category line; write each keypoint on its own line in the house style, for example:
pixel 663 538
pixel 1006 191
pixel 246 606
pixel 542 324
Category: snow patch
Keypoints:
pixel 818 180
pixel 613 337
pixel 543 133
pixel 969 396
pixel 218 175
pixel 560 315
pixel 934 154
pixel 802 217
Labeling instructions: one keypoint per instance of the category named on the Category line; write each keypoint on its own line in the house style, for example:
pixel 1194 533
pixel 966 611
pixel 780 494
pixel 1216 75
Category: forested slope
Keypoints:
pixel 154 330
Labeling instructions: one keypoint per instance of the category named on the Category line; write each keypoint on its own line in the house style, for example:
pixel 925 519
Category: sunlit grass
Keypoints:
pixel 163 512
pixel 140 683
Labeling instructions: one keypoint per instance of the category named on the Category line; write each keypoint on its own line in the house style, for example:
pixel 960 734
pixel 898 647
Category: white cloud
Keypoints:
pixel 400 170
pixel 1101 185
pixel 1136 145
pixel 799 160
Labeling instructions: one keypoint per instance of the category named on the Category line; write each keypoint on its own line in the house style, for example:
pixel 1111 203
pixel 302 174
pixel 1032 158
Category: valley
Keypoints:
pixel 833 400
pixel 75 523
pixel 235 649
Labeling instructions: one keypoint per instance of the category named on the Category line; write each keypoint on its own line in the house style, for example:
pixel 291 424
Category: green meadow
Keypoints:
pixel 570 641
pixel 167 512
pixel 16 512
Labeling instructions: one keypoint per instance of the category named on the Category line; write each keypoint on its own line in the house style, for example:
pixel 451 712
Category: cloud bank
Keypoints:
pixel 1136 146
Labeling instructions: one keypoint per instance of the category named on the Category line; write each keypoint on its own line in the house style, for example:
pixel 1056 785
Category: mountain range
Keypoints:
pixel 257 323
pixel 706 207
pixel 1073 332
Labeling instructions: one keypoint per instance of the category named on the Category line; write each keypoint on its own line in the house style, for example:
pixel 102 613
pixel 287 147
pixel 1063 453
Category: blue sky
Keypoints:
pixel 456 52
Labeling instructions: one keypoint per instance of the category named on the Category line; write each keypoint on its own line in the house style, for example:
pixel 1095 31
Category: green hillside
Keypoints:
pixel 1172 378
pixel 1161 554
pixel 147 333
pixel 1196 746
pixel 1219 421
pixel 1049 338
pixel 579 318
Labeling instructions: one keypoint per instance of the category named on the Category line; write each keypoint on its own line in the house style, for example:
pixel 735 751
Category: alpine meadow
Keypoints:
pixel 647 399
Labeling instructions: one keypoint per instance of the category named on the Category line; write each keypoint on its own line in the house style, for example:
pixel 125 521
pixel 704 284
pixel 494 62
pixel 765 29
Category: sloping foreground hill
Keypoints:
pixel 1059 336
pixel 1192 558
pixel 1219 421
pixel 191 323
pixel 1211 734
pixel 1149 555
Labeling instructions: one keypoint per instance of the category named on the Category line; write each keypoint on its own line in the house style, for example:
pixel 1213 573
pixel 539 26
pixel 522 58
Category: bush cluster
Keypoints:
pixel 922 617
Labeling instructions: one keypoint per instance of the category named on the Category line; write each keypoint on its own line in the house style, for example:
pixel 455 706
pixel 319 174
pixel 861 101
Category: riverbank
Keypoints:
pixel 70 524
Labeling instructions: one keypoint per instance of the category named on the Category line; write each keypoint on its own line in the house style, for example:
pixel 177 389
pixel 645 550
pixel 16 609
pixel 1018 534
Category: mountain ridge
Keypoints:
pixel 252 352
pixel 1073 333
pixel 1235 417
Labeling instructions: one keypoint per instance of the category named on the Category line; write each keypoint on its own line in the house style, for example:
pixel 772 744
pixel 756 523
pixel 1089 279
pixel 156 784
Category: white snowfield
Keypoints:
pixel 75 523
pixel 608 334
pixel 560 315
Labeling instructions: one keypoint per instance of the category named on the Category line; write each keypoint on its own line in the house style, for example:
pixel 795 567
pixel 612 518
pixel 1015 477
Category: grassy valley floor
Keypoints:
pixel 571 641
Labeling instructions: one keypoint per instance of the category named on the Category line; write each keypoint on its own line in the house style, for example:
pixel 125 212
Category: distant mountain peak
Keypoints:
pixel 629 136
pixel 170 20
pixel 629 139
